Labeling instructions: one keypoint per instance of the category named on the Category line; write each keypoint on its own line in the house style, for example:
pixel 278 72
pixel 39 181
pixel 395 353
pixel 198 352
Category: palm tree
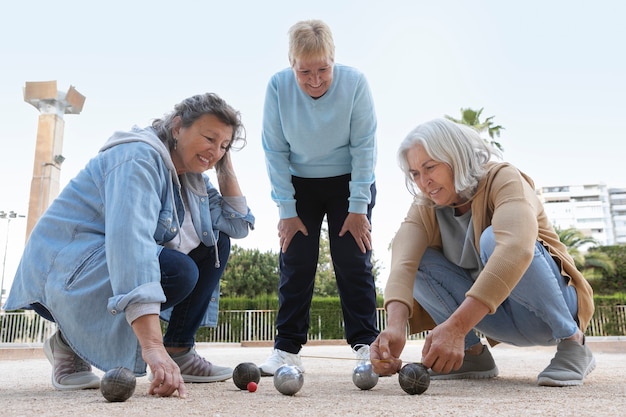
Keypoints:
pixel 471 118
pixel 590 261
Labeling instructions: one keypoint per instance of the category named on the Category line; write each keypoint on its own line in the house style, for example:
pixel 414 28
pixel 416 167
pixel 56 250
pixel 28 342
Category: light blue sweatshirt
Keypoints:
pixel 320 138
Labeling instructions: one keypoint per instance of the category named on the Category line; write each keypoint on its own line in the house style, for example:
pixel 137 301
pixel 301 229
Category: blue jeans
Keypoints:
pixel 188 282
pixel 541 309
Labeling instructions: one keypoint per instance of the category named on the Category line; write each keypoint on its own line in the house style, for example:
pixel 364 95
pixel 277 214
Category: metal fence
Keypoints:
pixel 237 326
pixel 24 328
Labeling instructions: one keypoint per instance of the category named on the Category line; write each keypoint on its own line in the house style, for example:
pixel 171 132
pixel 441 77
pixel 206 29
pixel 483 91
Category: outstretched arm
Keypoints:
pixel 167 377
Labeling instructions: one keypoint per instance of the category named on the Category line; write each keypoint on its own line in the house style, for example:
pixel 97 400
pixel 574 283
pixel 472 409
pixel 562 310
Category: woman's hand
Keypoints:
pixel 287 229
pixel 166 373
pixel 444 348
pixel 359 227
pixel 386 350
pixel 226 177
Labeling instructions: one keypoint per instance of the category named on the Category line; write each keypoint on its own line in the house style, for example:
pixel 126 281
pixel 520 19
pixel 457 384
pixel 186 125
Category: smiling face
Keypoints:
pixel 200 146
pixel 435 179
pixel 314 75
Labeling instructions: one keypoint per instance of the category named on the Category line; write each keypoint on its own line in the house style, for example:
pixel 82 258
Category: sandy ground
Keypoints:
pixel 25 389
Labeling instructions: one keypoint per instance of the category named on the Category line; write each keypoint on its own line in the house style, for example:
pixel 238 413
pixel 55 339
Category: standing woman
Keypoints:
pixel 139 233
pixel 319 137
pixel 477 252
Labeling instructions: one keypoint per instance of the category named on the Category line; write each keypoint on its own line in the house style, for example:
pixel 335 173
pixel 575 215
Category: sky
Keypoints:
pixel 552 73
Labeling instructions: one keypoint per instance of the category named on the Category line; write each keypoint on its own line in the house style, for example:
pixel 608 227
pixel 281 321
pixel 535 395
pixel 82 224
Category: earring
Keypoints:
pixel 175 143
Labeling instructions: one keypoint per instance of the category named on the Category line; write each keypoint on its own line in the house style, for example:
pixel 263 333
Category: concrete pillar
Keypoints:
pixel 52 105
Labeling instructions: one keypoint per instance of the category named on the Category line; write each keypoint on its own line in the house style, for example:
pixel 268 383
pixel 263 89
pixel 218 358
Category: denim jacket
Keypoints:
pixel 95 250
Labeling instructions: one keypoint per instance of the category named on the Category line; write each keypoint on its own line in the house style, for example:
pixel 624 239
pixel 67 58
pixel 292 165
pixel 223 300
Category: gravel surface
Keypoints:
pixel 25 389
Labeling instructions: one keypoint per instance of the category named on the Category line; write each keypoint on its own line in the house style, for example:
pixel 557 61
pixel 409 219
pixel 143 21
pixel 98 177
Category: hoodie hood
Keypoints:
pixel 146 135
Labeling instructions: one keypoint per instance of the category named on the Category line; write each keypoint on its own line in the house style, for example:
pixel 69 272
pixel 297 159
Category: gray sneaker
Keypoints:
pixel 570 365
pixel 474 367
pixel 69 371
pixel 194 368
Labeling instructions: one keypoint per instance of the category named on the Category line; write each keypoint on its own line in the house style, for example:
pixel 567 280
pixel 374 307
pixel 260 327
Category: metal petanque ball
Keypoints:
pixel 414 378
pixel 244 373
pixel 288 379
pixel 118 384
pixel 364 376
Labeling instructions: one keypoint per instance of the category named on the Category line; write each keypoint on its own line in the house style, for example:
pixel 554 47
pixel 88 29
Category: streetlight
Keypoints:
pixel 8 216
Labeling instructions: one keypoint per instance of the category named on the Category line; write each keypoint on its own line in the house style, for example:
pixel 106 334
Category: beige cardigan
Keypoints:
pixel 505 199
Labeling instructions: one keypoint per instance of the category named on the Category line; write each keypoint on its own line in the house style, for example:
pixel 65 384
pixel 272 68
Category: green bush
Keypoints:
pixel 327 318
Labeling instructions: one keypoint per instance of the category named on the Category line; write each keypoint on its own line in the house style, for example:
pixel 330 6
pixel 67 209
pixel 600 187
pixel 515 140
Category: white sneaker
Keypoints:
pixel 279 358
pixel 362 353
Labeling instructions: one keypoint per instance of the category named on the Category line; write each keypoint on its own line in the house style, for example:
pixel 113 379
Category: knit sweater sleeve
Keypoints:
pixel 509 204
pixel 362 148
pixel 277 153
pixel 416 233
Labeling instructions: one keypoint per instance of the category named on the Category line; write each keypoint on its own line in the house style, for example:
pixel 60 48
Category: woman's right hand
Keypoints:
pixel 166 373
pixel 287 229
pixel 385 351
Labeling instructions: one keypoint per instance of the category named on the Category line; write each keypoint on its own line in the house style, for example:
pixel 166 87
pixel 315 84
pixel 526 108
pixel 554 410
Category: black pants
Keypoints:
pixel 316 198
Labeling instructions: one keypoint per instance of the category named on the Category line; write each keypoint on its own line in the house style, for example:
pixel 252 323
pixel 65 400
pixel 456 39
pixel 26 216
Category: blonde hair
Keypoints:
pixel 310 39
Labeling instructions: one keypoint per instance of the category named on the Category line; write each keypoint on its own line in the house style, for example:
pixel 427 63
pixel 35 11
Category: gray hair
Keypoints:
pixel 192 108
pixel 456 145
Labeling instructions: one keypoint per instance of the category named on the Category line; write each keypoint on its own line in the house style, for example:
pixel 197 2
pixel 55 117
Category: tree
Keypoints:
pixel 615 282
pixel 471 118
pixel 250 273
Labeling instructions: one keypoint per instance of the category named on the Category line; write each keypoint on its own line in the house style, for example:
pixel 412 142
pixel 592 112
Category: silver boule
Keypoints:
pixel 364 376
pixel 288 379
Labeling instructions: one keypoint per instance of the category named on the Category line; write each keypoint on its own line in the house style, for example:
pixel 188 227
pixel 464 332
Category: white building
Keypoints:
pixel 618 213
pixel 583 207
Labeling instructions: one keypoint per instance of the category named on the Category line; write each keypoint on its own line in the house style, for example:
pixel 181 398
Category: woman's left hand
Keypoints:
pixel 359 227
pixel 226 177
pixel 444 349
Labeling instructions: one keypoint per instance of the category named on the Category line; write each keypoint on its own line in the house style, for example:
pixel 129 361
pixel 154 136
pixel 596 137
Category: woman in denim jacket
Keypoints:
pixel 140 233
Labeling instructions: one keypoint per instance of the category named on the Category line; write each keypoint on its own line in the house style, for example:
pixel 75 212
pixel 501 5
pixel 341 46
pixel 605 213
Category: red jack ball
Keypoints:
pixel 252 386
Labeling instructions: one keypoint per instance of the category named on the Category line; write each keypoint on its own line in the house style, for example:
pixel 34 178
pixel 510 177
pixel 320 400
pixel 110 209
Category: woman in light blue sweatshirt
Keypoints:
pixel 139 233
pixel 319 138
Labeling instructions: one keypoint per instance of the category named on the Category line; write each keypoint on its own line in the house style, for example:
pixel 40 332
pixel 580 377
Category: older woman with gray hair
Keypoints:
pixel 477 253
pixel 139 234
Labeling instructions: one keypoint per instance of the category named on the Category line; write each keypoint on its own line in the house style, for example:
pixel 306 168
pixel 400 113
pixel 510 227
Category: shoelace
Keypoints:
pixel 68 363
pixel 362 354
pixel 194 364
